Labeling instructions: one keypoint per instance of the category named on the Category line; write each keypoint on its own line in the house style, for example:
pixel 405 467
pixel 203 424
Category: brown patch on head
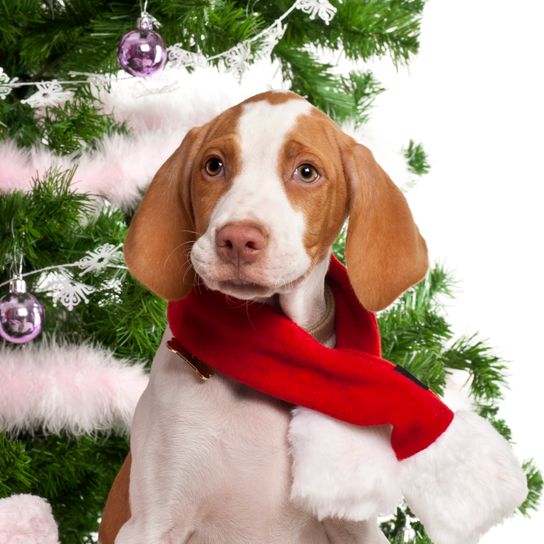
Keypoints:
pixel 313 140
pixel 385 252
pixel 223 142
pixel 274 97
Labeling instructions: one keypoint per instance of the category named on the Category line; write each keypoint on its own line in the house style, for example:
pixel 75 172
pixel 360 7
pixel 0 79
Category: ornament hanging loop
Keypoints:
pixel 146 21
pixel 17 258
pixel 17 285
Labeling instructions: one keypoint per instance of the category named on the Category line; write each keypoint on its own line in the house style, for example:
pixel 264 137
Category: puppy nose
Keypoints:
pixel 240 243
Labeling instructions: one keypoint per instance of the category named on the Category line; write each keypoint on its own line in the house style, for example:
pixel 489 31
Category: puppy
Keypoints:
pixel 250 205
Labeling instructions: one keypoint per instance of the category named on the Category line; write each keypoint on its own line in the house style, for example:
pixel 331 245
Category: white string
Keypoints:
pixel 278 21
pixel 36 83
pixel 67 288
pixel 59 267
pixel 80 263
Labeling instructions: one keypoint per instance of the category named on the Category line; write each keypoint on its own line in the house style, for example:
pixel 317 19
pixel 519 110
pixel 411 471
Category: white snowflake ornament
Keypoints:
pixel 237 59
pixel 6 84
pixel 270 38
pixel 317 8
pixel 63 288
pixel 49 93
pixel 100 258
pixel 177 57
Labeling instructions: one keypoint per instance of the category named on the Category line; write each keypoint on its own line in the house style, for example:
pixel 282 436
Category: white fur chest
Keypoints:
pixel 216 414
pixel 217 455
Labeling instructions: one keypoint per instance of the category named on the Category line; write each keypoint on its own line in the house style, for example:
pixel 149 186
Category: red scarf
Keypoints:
pixel 258 346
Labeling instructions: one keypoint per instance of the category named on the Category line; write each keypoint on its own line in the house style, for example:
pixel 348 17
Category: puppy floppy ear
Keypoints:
pixel 161 232
pixel 385 253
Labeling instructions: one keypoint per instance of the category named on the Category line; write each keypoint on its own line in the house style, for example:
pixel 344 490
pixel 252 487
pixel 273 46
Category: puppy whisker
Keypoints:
pixel 198 234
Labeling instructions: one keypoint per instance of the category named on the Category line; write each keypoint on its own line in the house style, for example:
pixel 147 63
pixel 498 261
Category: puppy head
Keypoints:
pixel 253 200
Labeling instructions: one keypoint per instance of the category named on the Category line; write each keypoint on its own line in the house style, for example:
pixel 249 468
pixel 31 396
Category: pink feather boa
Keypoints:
pixel 27 519
pixel 77 389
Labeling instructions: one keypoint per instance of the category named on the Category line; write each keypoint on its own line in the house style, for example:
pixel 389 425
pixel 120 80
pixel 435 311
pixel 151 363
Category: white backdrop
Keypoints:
pixel 474 96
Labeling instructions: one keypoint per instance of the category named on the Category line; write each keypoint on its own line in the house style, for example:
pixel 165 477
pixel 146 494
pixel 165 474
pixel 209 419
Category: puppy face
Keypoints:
pixel 253 200
pixel 267 197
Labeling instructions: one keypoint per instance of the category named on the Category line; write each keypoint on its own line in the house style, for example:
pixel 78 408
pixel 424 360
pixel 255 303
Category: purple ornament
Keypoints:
pixel 142 51
pixel 21 314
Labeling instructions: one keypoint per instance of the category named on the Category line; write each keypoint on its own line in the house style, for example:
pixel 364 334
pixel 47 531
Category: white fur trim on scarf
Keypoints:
pixel 340 470
pixel 465 482
pixel 27 519
pixel 77 389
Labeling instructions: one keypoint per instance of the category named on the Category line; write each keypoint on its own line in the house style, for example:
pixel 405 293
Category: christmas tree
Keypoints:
pixel 73 165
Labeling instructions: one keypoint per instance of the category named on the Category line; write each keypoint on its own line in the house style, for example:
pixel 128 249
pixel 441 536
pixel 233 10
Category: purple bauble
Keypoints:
pixel 21 314
pixel 142 51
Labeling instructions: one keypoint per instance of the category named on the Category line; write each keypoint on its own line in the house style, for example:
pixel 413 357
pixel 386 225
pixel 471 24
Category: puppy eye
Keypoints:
pixel 213 166
pixel 306 173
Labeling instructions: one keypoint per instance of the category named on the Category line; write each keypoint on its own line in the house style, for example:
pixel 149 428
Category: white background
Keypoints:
pixel 474 96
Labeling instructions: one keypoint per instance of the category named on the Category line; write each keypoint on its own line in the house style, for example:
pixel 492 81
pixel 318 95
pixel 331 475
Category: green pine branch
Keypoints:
pixel 76 224
pixel 68 129
pixel 363 87
pixel 487 370
pixel 416 159
pixel 414 331
pixel 315 81
pixel 74 474
pixel 535 484
pixel 77 125
pixel 46 40
pixel 375 28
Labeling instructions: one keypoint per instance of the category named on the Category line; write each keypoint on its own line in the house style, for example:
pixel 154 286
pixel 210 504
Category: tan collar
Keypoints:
pixel 322 331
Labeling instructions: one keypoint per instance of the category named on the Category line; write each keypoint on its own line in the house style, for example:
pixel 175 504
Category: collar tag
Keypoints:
pixel 202 370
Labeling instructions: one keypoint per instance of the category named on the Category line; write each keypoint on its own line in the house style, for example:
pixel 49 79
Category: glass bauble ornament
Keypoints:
pixel 21 314
pixel 142 52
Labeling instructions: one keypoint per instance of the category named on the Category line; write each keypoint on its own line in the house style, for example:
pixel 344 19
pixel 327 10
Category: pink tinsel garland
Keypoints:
pixel 27 519
pixel 77 389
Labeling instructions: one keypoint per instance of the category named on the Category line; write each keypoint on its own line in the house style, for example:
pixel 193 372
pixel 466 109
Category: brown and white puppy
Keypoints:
pixel 250 203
